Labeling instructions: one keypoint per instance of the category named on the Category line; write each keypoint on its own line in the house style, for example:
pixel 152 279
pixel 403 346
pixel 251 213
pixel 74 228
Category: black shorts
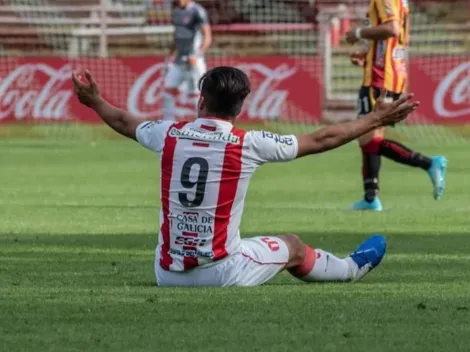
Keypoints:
pixel 367 98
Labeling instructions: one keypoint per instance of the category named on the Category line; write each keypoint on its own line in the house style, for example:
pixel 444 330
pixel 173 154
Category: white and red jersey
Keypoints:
pixel 206 166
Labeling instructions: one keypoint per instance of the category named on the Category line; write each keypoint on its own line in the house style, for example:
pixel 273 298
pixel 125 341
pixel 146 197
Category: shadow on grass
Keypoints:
pixel 398 243
pixel 410 259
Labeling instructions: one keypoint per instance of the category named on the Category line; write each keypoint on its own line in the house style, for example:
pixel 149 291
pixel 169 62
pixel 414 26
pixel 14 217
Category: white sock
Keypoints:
pixel 169 106
pixel 321 266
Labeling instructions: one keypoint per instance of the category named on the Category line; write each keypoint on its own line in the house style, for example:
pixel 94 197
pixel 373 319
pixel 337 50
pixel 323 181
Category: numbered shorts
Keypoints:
pixel 178 74
pixel 258 260
pixel 367 98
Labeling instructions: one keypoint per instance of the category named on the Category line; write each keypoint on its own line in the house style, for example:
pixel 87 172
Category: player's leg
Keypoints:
pixel 317 265
pixel 173 79
pixel 371 161
pixel 374 145
pixel 195 73
pixel 434 166
pixel 262 258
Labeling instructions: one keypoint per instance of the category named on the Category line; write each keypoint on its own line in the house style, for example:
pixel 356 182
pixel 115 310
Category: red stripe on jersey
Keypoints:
pixel 190 262
pixel 209 128
pixel 199 144
pixel 168 154
pixel 374 80
pixel 403 85
pixel 395 73
pixel 394 45
pixel 227 191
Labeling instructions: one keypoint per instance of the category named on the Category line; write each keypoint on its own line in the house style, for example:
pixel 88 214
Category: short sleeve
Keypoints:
pixel 202 16
pixel 266 146
pixel 388 10
pixel 152 134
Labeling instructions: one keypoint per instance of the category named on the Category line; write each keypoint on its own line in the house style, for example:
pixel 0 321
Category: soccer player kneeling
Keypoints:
pixel 206 166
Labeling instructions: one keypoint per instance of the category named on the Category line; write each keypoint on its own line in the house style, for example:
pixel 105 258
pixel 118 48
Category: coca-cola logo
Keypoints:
pixel 35 91
pixel 266 100
pixel 145 99
pixel 452 96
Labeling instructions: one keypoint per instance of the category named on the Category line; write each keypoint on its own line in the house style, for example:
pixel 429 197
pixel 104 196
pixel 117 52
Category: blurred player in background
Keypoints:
pixel 186 63
pixel 383 58
pixel 206 166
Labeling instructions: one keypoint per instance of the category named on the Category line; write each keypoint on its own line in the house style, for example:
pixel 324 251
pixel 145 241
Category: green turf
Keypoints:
pixel 78 224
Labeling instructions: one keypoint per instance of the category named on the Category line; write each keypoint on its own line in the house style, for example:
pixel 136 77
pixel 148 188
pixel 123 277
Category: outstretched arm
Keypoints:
pixel 88 94
pixel 332 137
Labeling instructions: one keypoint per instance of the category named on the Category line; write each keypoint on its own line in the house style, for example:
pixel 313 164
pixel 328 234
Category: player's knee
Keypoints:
pixel 371 136
pixel 296 249
pixel 372 145
pixel 365 139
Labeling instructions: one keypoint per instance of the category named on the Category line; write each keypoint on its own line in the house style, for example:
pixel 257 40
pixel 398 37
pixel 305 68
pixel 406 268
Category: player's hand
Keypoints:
pixel 390 113
pixel 358 58
pixel 192 60
pixel 351 37
pixel 88 92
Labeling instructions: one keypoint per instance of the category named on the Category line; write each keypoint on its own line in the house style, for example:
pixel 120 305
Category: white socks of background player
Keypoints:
pixel 321 266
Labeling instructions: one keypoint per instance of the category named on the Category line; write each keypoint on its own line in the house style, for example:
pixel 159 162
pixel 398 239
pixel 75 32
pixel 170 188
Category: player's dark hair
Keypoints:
pixel 224 90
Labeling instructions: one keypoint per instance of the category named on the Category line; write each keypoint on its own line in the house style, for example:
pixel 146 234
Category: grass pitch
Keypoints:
pixel 78 231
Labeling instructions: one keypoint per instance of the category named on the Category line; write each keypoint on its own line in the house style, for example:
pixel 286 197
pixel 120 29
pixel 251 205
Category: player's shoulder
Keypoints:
pixel 155 124
pixel 156 127
pixel 267 136
pixel 388 4
pixel 152 134
pixel 198 8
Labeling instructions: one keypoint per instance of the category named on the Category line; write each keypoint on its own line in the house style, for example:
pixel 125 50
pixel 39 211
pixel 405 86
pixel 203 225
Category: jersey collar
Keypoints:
pixel 217 119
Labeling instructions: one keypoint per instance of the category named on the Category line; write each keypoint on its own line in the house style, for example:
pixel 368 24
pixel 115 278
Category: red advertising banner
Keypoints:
pixel 40 89
pixel 287 88
pixel 442 84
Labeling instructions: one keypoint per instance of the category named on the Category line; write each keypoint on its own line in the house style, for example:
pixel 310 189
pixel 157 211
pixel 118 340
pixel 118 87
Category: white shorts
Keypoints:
pixel 178 74
pixel 257 261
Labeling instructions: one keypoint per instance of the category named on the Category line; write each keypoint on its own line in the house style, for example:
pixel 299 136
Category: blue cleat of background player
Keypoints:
pixel 375 205
pixel 437 174
pixel 368 255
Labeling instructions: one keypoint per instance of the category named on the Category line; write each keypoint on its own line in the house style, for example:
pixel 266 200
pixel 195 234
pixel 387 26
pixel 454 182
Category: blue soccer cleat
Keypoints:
pixel 437 174
pixel 375 205
pixel 367 256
